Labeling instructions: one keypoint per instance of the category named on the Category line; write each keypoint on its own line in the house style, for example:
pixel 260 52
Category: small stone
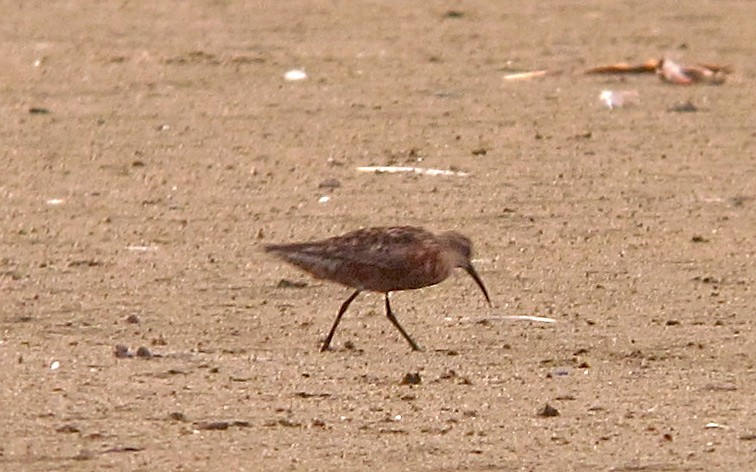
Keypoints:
pixel 286 283
pixel 329 183
pixel 548 411
pixel 143 353
pixel 68 428
pixel 289 423
pixel 558 372
pixel 132 319
pixel 212 425
pixel 687 107
pixel 454 14
pixel 411 378
pixel 121 351
pixel 177 416
pixel 449 374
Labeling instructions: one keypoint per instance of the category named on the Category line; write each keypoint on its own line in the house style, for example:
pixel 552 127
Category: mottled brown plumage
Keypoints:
pixel 382 260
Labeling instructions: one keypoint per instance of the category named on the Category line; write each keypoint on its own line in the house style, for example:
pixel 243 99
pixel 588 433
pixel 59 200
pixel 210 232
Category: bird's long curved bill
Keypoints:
pixel 471 270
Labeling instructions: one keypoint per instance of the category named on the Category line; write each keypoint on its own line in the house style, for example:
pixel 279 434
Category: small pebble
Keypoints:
pixel 286 283
pixel 548 411
pixel 122 352
pixel 177 416
pixel 411 378
pixel 329 183
pixel 212 425
pixel 687 107
pixel 143 353
pixel 68 428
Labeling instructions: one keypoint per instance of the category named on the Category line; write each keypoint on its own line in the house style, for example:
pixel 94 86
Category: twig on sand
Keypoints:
pixel 415 170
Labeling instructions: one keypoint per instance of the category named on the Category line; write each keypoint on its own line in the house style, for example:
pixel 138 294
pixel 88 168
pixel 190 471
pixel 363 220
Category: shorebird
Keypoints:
pixel 383 260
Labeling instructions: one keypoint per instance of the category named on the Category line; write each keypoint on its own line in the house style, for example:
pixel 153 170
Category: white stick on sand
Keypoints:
pixel 537 319
pixel 416 170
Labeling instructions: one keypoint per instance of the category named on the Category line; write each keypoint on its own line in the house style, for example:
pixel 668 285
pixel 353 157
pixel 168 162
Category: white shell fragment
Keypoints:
pixel 525 75
pixel 294 75
pixel 324 199
pixel 536 319
pixel 416 170
pixel 54 365
pixel 141 248
pixel 619 99
pixel 715 426
pixel 55 201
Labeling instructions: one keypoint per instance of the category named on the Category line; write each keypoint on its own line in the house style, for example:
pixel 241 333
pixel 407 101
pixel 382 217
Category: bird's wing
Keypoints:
pixel 379 259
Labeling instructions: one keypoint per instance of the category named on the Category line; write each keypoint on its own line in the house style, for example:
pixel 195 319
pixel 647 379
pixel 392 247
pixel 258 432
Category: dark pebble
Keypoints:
pixel 687 107
pixel 177 416
pixel 68 428
pixel 548 411
pixel 122 352
pixel 329 183
pixel 143 353
pixel 285 283
pixel 411 378
pixel 212 425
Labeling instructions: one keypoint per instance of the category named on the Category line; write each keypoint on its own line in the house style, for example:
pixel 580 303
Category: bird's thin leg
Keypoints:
pixel 343 309
pixel 395 322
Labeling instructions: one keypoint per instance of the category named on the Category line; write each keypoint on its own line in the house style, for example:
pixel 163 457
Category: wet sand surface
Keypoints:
pixel 151 149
